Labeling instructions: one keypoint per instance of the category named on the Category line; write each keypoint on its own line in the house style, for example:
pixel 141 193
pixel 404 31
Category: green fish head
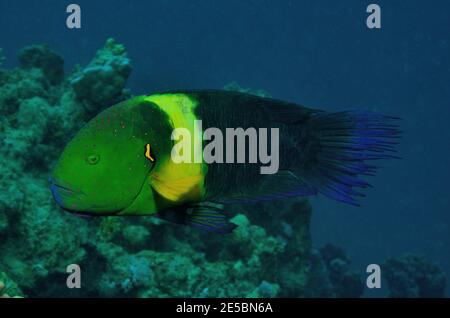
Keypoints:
pixel 103 169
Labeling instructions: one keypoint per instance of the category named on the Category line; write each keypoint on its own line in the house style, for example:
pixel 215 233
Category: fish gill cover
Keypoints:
pixel 266 256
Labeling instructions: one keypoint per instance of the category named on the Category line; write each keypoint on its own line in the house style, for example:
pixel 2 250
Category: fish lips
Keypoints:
pixel 64 195
pixel 66 198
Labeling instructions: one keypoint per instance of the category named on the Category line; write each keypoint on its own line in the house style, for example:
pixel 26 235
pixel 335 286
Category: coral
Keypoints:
pixel 41 57
pixel 39 112
pixel 190 263
pixel 265 290
pixel 328 275
pixel 9 288
pixel 344 282
pixel 412 276
pixel 109 227
pixel 125 274
pixel 4 224
pixel 102 82
pixel 136 235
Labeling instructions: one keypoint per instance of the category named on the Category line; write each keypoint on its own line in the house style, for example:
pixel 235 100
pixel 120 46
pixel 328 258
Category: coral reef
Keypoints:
pixel 345 282
pixel 41 57
pixel 38 113
pixel 163 260
pixel 412 276
pixel 40 107
pixel 102 82
pixel 8 288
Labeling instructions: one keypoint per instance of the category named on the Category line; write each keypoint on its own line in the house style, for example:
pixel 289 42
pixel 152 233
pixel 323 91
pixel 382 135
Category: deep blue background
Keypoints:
pixel 316 53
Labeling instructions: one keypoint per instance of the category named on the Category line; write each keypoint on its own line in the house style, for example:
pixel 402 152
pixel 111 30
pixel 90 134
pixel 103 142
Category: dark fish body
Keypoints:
pixel 326 151
pixel 224 109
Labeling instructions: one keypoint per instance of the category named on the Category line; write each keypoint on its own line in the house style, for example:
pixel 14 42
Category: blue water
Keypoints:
pixel 316 53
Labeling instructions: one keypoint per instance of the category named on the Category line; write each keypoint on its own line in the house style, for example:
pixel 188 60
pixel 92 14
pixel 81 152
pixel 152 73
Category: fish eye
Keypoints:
pixel 93 159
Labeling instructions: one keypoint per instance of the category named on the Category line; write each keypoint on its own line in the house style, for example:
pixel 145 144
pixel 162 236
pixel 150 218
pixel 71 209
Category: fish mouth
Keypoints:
pixel 62 185
pixel 61 188
pixel 84 214
pixel 62 193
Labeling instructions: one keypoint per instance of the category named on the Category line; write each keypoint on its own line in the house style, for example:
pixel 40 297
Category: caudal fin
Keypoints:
pixel 339 148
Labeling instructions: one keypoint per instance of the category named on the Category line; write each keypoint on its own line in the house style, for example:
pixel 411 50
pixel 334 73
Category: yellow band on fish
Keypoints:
pixel 180 182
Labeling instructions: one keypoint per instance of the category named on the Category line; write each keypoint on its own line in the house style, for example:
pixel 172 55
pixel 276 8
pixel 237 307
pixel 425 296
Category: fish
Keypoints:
pixel 122 161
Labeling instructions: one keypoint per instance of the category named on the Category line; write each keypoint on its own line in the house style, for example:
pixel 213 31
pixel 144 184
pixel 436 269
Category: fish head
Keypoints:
pixel 104 167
